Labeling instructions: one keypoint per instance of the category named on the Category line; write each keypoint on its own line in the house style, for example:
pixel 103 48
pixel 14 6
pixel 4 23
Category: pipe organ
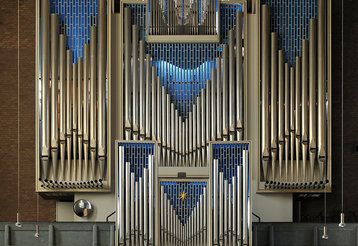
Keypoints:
pixel 72 96
pixel 295 96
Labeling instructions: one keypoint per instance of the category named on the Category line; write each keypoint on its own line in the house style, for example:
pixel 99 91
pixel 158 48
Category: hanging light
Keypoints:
pixel 342 223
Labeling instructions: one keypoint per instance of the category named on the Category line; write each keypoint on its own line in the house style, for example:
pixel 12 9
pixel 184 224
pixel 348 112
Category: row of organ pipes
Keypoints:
pixel 149 113
pixel 172 22
pixel 73 106
pixel 230 205
pixel 176 232
pixel 293 104
pixel 136 203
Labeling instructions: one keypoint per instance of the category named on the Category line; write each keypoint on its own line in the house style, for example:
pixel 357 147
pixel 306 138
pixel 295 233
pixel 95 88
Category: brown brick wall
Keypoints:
pixel 8 115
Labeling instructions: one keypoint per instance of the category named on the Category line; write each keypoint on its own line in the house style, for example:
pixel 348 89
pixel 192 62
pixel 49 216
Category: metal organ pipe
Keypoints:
pixel 62 98
pixel 45 81
pixel 86 83
pixel 274 77
pixel 281 111
pixel 69 110
pixel 239 78
pixel 127 73
pixel 304 106
pixel 298 117
pixel 93 101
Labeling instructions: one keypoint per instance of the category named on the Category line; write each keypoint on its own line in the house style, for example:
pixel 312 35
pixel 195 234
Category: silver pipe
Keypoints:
pixel 74 118
pixel 146 212
pixel 159 112
pixel 164 117
pixel 216 204
pixel 265 77
pixel 239 78
pixel 274 70
pixel 86 79
pixel 93 100
pixel 141 211
pixel 69 110
pixel 225 82
pixel 198 129
pixel 292 119
pixel 226 210
pixel 240 204
pixel 168 130
pixel 154 103
pixel 151 194
pixel 148 100
pixel 136 213
pixel 221 209
pixel 102 66
pixel 245 185
pixel 213 107
pixel 45 81
pixel 172 132
pixel 132 208
pixel 135 82
pixel 162 213
pixel 128 203
pixel 219 90
pixel 122 166
pixel 176 131
pixel 298 117
pixel 54 93
pixel 234 209
pixel 208 111
pixel 80 116
pixel 281 110
pixel 127 73
pixel 312 95
pixel 141 90
pixel 229 214
pixel 62 99
pixel 204 123
pixel 287 118
pixel 321 79
pixel 231 92
pixel 305 103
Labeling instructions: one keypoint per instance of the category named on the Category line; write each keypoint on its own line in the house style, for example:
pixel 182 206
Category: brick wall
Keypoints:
pixel 8 115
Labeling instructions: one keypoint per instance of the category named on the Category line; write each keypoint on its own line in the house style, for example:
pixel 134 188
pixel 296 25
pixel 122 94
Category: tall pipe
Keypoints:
pixel 321 79
pixel 304 106
pixel 74 117
pixel 225 82
pixel 62 99
pixel 93 100
pixel 86 79
pixel 69 109
pixel 122 167
pixel 102 66
pixel 135 82
pixel 45 81
pixel 292 119
pixel 265 73
pixel 148 100
pixel 54 93
pixel 232 99
pixel 159 111
pixel 239 78
pixel 274 77
pixel 281 110
pixel 312 95
pixel 213 105
pixel 287 118
pixel 128 203
pixel 79 115
pixel 298 117
pixel 219 89
pixel 153 103
pixel 127 73
pixel 142 82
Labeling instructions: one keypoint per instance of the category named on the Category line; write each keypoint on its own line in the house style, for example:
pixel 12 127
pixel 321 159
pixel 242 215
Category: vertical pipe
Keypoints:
pixel 102 66
pixel 239 78
pixel 265 73
pixel 45 81
pixel 245 205
pixel 146 212
pixel 219 90
pixel 148 84
pixel 54 93
pixel 74 118
pixel 274 70
pixel 127 73
pixel 142 82
pixel 304 106
pixel 321 79
pixel 221 209
pixel 312 95
pixel 132 207
pixel 122 166
pixel 292 119
pixel 164 125
pixel 159 111
pixel 172 133
pixel 208 111
pixel 141 204
pixel 213 107
pixel 154 103
pixel 128 203
pixel 62 99
pixel 232 100
pixel 298 118
pixel 281 110
pixel 86 79
pixel 69 109
pixel 234 208
pixel 93 100
pixel 79 114
pixel 225 82
pixel 216 203
pixel 287 118
pixel 240 203
pixel 135 81
pixel 150 200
